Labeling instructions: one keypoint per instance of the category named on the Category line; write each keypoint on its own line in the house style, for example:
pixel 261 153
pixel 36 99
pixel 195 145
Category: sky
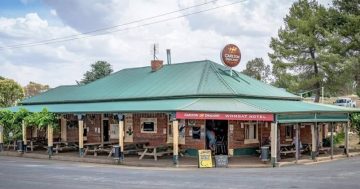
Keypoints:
pixel 249 24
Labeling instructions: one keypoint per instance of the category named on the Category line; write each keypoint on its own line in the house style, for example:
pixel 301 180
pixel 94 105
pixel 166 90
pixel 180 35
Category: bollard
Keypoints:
pixel 20 146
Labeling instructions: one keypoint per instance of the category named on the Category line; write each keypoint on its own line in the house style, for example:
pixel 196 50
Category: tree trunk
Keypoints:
pixel 316 74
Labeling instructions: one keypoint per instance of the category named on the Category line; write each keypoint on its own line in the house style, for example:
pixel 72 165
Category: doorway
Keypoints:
pixel 106 130
pixel 217 136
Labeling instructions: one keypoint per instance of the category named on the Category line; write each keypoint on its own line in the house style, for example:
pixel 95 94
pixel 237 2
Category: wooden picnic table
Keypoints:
pixel 62 145
pixel 130 147
pixel 155 151
pixel 288 149
pixel 98 147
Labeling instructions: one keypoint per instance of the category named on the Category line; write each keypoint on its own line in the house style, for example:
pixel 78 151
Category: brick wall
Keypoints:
pixel 305 134
pixel 93 123
pixel 198 144
pixel 72 127
pixel 112 120
pixel 158 138
pixel 237 136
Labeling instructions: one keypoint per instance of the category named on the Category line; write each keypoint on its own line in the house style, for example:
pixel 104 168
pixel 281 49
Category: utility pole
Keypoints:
pixel 322 95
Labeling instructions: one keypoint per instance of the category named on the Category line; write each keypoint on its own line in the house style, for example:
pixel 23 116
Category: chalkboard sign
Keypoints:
pixel 205 159
pixel 221 161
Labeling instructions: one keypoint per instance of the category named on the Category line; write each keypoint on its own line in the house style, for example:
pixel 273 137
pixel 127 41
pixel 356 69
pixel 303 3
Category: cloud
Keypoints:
pixel 53 12
pixel 249 24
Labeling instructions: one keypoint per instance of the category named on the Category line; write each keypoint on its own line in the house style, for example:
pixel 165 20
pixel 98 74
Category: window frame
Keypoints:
pixel 143 120
pixel 247 139
pixel 287 137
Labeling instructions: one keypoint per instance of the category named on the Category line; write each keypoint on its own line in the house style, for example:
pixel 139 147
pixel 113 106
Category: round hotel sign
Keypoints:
pixel 231 55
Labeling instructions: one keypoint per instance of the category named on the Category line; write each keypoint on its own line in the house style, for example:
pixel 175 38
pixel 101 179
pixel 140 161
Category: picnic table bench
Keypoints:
pixel 286 149
pixel 131 148
pixel 156 151
pixel 98 147
pixel 324 150
pixel 64 145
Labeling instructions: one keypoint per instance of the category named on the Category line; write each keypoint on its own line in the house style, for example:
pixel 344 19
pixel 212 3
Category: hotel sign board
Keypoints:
pixel 230 55
pixel 225 116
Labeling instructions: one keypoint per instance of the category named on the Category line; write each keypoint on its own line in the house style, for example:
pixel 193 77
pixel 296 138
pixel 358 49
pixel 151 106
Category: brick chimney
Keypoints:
pixel 156 65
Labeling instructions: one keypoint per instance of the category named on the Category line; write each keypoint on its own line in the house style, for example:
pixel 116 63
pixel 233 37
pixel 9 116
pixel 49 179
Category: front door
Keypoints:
pixel 217 136
pixel 106 130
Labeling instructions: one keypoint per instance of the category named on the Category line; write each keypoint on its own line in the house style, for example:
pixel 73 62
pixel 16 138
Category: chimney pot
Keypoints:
pixel 156 65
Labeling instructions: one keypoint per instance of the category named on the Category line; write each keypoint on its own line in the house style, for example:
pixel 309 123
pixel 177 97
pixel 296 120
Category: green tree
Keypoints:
pixel 355 123
pixel 33 89
pixel 344 22
pixel 12 121
pixel 98 70
pixel 301 58
pixel 10 92
pixel 257 69
pixel 6 120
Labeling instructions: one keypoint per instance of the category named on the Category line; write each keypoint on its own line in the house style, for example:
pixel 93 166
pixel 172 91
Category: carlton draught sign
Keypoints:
pixel 224 116
pixel 230 55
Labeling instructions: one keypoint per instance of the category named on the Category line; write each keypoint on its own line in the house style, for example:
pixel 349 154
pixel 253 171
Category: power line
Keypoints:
pixel 105 30
pixel 115 26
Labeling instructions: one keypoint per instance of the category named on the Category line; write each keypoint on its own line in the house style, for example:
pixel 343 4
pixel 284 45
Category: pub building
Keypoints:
pixel 191 106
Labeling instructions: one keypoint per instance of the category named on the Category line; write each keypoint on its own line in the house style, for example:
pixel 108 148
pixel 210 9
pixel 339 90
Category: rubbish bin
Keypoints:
pixel 20 146
pixel 116 152
pixel 264 153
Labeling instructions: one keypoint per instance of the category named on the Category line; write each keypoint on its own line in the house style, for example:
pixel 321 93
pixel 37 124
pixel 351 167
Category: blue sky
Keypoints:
pixel 249 24
pixel 15 8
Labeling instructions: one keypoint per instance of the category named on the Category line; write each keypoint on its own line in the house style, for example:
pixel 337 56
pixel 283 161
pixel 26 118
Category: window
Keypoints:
pixel 289 131
pixel 251 133
pixel 148 125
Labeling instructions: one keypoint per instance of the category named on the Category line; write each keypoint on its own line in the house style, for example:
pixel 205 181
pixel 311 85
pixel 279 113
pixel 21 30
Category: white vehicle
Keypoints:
pixel 346 102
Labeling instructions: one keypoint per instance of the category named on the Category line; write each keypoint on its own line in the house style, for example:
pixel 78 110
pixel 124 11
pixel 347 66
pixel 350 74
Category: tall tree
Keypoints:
pixel 33 89
pixel 299 55
pixel 257 69
pixel 345 22
pixel 98 70
pixel 10 92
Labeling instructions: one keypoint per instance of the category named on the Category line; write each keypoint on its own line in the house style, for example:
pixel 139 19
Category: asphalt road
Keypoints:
pixel 18 173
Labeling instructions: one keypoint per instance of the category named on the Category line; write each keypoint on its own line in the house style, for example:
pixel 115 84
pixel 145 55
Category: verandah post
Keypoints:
pixel 24 136
pixel 313 141
pixel 121 137
pixel 50 140
pixel 175 128
pixel 1 138
pixel 274 139
pixel 332 140
pixel 297 142
pixel 81 135
pixel 347 138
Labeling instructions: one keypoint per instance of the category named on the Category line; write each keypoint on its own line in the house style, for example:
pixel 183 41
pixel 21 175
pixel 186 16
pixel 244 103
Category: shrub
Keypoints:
pixel 338 139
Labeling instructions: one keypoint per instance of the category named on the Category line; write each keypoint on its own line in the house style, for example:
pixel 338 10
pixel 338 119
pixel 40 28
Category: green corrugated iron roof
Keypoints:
pixel 234 105
pixel 192 79
pixel 111 107
pixel 202 86
pixel 292 106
